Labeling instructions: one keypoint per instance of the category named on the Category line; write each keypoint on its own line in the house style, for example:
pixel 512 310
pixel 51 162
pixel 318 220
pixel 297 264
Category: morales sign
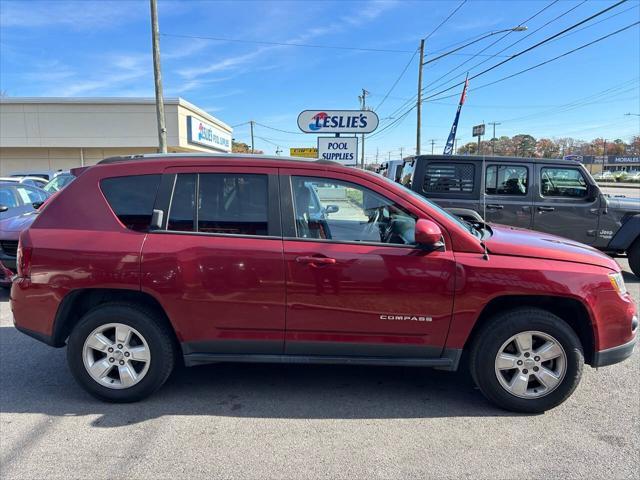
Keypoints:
pixel 338 121
pixel 207 135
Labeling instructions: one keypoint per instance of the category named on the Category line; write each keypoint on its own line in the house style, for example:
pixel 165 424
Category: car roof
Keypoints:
pixel 170 158
pixel 491 158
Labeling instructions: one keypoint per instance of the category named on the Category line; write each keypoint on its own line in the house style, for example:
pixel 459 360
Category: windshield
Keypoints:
pixel 467 226
pixel 58 183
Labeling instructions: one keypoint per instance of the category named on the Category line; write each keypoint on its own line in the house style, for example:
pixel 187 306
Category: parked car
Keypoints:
pixel 391 169
pixel 58 182
pixel 44 174
pixel 33 181
pixel 605 175
pixel 218 259
pixel 10 229
pixel 17 198
pixel 553 196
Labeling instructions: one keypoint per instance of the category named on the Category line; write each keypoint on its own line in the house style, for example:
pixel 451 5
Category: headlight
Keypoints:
pixel 618 283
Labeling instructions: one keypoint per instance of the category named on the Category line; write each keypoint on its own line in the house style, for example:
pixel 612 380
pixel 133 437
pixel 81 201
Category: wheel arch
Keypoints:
pixel 78 302
pixel 571 310
pixel 626 235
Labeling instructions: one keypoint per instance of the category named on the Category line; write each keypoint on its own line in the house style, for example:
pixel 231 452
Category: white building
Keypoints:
pixel 60 133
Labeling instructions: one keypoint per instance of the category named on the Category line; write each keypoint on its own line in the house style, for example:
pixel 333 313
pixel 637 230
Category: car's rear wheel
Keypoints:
pixel 120 352
pixel 527 360
pixel 633 254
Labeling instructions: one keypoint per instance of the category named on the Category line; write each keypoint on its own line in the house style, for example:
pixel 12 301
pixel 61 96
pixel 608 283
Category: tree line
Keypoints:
pixel 524 145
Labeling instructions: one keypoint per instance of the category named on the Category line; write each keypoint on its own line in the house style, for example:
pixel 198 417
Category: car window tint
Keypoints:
pixel 328 209
pixel 131 198
pixel 449 178
pixel 182 209
pixel 233 204
pixel 562 182
pixel 7 198
pixel 506 180
pixel 29 195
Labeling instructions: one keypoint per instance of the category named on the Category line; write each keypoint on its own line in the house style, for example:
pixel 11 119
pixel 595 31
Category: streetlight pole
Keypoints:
pixel 363 105
pixel 422 63
pixel 493 139
pixel 157 77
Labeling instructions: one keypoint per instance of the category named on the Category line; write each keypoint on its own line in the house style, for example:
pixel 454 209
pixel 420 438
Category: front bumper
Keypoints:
pixel 617 354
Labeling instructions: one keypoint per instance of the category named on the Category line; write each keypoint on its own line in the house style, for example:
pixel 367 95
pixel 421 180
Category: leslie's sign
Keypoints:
pixel 337 121
pixel 207 135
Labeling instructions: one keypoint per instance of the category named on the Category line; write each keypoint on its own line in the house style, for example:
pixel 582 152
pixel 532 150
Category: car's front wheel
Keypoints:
pixel 527 360
pixel 633 254
pixel 120 352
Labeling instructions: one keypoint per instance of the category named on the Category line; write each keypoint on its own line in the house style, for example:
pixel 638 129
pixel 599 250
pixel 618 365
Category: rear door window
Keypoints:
pixel 506 180
pixel 131 198
pixel 233 204
pixel 227 203
pixel 449 178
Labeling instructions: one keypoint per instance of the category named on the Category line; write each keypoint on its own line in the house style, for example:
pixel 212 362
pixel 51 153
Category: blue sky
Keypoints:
pixel 85 48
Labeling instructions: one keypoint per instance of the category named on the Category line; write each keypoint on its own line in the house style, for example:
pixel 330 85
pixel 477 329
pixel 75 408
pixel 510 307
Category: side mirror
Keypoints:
pixel 3 208
pixel 331 209
pixel 592 192
pixel 428 234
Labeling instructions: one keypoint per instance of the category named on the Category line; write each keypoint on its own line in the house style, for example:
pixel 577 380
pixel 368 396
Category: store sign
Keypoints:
pixel 478 130
pixel 343 150
pixel 304 152
pixel 338 121
pixel 621 160
pixel 205 134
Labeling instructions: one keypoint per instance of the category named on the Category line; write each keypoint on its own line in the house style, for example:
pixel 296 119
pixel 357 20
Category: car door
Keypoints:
pixel 508 198
pixel 216 261
pixel 356 283
pixel 562 205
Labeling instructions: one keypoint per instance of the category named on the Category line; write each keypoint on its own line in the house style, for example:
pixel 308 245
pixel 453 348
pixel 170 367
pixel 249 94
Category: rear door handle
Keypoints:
pixel 494 206
pixel 316 261
pixel 546 209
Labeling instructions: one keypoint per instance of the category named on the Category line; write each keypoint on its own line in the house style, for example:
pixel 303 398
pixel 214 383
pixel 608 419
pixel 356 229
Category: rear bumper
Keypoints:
pixel 615 354
pixel 37 335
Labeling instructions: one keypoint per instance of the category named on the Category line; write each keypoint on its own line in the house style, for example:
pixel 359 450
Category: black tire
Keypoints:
pixel 147 323
pixel 500 329
pixel 633 254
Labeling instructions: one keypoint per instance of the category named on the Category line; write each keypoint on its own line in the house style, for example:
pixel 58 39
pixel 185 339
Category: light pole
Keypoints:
pixel 422 63
pixel 157 77
pixel 493 139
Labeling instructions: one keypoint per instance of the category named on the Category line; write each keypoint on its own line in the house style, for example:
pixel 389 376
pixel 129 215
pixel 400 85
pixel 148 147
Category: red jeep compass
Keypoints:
pixel 147 261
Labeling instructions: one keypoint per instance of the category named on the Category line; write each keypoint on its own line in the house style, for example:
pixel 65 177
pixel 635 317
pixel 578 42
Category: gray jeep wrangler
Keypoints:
pixel 553 196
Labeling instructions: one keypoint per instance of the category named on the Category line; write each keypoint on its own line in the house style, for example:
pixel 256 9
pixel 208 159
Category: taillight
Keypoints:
pixel 23 260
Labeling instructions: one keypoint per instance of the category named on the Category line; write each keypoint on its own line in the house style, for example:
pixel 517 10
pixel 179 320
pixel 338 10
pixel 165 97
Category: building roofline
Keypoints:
pixel 114 101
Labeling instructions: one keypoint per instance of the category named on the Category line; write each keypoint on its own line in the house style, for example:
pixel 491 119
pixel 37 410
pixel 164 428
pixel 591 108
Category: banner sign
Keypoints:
pixel 304 152
pixel 337 121
pixel 448 148
pixel 621 160
pixel 207 135
pixel 343 150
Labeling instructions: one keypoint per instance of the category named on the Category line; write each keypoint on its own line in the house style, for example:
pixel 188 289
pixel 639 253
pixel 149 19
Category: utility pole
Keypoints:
pixel 157 77
pixel 401 153
pixel 363 106
pixel 433 141
pixel 377 152
pixel 493 139
pixel 251 125
pixel 419 101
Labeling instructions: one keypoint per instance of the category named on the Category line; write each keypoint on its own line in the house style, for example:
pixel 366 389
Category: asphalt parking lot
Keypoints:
pixel 275 421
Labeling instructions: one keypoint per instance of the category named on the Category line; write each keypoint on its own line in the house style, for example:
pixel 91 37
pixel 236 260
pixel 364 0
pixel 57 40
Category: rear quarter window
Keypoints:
pixel 449 178
pixel 131 198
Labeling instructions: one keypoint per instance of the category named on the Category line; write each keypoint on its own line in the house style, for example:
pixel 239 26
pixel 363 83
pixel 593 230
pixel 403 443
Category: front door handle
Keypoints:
pixel 316 261
pixel 546 209
pixel 494 206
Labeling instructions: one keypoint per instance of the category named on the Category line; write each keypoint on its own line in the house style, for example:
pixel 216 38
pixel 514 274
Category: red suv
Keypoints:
pixel 148 261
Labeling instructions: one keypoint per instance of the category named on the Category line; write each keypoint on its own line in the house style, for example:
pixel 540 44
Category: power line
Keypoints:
pixel 404 70
pixel 565 13
pixel 403 116
pixel 284 44
pixel 445 20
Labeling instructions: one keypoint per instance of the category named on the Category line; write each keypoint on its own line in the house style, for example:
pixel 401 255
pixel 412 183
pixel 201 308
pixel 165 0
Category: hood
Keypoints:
pixel 12 226
pixel 626 204
pixel 527 243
